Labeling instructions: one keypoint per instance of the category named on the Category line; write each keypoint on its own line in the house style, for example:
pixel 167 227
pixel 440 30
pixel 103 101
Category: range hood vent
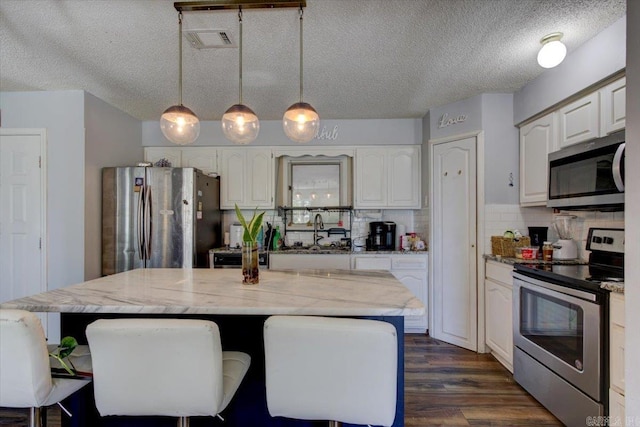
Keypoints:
pixel 209 39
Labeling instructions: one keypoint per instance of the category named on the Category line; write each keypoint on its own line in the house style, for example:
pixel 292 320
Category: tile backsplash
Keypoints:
pixel 499 218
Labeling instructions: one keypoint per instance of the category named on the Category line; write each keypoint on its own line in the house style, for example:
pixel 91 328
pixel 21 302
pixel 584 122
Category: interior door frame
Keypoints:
pixel 42 134
pixel 480 232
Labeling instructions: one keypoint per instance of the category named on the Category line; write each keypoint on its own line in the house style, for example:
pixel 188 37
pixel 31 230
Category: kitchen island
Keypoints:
pixel 239 310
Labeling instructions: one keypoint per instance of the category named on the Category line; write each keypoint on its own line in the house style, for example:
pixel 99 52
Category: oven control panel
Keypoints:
pixel 606 240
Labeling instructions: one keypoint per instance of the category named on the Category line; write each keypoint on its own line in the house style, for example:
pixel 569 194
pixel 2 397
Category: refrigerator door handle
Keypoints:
pixel 147 223
pixel 140 221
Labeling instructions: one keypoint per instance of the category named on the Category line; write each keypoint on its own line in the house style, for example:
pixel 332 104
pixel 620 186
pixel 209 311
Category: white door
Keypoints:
pixel 22 207
pixel 453 245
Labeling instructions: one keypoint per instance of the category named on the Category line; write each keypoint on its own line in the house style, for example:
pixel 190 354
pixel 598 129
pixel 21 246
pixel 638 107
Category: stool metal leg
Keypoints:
pixel 35 417
pixel 335 424
pixel 183 422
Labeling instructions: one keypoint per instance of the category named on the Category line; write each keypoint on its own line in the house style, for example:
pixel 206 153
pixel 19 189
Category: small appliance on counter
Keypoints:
pixel 382 236
pixel 235 236
pixel 538 235
pixel 565 247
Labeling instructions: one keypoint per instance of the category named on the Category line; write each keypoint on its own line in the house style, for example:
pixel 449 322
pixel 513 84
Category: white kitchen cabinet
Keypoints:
pixel 580 120
pixel 616 353
pixel 616 359
pixel 246 178
pixel 203 158
pixel 284 261
pixel 613 107
pixel 172 154
pixel 387 177
pixel 411 270
pixel 537 140
pixel 498 311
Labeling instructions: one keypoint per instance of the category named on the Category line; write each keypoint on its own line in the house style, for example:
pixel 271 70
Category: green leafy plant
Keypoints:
pixel 251 229
pixel 64 349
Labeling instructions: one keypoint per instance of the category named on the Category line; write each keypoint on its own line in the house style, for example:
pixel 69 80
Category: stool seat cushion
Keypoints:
pixel 331 369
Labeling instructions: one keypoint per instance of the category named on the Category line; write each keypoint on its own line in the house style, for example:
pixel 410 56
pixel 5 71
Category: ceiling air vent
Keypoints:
pixel 207 39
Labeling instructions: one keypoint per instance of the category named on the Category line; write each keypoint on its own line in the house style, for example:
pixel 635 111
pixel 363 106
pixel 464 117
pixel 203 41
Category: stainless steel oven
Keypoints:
pixel 558 342
pixel 232 258
pixel 560 329
pixel 588 176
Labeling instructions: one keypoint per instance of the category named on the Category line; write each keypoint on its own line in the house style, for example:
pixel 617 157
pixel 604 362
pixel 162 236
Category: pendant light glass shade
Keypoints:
pixel 552 52
pixel 301 121
pixel 239 123
pixel 179 124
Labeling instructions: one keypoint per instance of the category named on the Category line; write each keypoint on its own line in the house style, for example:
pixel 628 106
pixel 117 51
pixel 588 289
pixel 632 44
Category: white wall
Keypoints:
pixel 593 61
pixel 348 132
pixel 112 139
pixel 632 204
pixel 501 150
pixel 62 114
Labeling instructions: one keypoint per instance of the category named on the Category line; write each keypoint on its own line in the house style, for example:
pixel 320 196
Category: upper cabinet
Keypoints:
pixel 537 140
pixel 203 158
pixel 612 106
pixel 597 114
pixel 580 120
pixel 246 178
pixel 387 177
pixel 172 154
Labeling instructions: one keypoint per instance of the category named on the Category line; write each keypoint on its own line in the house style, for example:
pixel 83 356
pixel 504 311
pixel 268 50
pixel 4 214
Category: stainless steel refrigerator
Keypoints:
pixel 156 217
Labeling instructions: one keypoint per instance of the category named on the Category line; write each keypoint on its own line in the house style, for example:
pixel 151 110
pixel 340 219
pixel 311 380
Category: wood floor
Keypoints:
pixel 444 386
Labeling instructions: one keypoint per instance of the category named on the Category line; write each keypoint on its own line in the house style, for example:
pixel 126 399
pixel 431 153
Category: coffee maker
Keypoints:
pixel 382 236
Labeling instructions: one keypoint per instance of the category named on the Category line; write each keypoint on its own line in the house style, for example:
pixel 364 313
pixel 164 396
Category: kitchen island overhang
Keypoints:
pixel 240 311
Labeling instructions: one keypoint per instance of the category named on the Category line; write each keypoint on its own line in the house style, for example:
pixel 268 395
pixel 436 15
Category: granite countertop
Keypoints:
pixel 323 251
pixel 220 291
pixel 617 287
pixel 511 260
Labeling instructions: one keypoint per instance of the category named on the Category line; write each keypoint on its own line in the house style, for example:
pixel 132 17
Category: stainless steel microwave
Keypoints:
pixel 589 175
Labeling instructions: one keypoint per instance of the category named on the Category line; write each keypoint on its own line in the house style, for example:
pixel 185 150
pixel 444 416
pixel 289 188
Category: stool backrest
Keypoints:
pixel 331 369
pixel 170 367
pixel 25 375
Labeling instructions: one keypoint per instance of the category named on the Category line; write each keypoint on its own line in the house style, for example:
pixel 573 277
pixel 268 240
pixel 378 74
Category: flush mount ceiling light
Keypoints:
pixel 179 124
pixel 552 52
pixel 239 123
pixel 301 120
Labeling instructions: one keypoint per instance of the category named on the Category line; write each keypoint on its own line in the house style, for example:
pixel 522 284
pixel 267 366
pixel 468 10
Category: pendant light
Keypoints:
pixel 301 121
pixel 178 123
pixel 239 123
pixel 552 52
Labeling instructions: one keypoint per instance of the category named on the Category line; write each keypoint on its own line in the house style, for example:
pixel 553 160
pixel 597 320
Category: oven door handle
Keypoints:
pixel 616 168
pixel 588 296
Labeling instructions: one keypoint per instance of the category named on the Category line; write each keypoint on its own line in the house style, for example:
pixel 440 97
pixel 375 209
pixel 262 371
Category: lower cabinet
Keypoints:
pixel 498 290
pixel 312 261
pixel 616 360
pixel 411 270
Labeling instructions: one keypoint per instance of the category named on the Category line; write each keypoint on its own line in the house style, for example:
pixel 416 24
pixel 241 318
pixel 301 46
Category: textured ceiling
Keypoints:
pixel 362 58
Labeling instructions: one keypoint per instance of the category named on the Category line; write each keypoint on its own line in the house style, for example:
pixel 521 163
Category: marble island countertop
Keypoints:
pixel 220 291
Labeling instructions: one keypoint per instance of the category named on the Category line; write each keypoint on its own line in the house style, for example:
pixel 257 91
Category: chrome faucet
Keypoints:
pixel 318 224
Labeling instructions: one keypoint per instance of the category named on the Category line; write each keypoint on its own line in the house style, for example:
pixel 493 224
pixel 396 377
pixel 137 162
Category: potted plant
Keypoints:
pixel 64 350
pixel 250 272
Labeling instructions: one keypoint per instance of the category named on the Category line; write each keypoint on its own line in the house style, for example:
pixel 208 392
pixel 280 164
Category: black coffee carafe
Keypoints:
pixel 538 235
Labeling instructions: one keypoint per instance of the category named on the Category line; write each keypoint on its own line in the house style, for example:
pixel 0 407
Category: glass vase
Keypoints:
pixel 250 270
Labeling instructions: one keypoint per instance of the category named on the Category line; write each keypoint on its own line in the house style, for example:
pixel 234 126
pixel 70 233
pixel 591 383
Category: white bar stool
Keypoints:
pixel 162 367
pixel 343 370
pixel 25 372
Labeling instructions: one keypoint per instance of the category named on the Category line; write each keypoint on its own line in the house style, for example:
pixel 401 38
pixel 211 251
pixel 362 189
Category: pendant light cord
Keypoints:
pixel 180 53
pixel 301 70
pixel 240 61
